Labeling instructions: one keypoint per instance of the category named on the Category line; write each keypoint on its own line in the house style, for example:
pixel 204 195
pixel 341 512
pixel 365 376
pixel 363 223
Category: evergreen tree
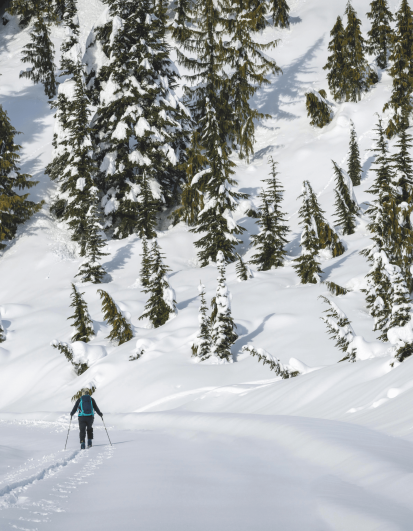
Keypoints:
pixel 2 336
pixel 400 298
pixel 401 70
pixel 145 264
pixel 242 270
pixel 307 266
pixel 161 304
pixel 141 126
pixel 249 67
pixel 354 163
pixel 67 351
pixel 71 22
pixel 121 329
pixel 146 222
pixel 318 108
pixel 202 345
pixel 335 62
pixel 91 270
pixel 285 371
pixel 280 16
pixel 179 26
pixel 215 220
pixel 26 10
pixel 223 333
pixel 346 207
pixel 14 208
pixel 40 53
pixel 271 239
pixel 380 35
pixel 81 318
pixel 357 75
pixel 340 329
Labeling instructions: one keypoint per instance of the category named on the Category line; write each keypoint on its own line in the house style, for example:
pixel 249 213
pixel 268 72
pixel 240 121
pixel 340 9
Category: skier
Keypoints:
pixel 86 405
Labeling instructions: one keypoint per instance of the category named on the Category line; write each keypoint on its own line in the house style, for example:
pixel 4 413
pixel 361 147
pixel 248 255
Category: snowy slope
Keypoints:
pixel 202 417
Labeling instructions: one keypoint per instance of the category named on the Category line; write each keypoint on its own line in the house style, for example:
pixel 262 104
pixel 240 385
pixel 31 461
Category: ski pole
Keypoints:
pixel 68 432
pixel 106 431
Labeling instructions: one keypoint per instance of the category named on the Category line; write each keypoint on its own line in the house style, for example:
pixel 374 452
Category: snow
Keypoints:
pixel 201 445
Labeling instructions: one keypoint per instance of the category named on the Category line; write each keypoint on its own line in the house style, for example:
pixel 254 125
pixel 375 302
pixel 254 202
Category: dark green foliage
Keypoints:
pixel 145 264
pixel 202 345
pixel 146 222
pixel 223 326
pixel 2 336
pixel 339 328
pixel 65 349
pixel 138 355
pixel 121 329
pixel 354 163
pixel 161 304
pixel 318 108
pixel 280 10
pixel 179 26
pixel 380 35
pixel 346 207
pixel 335 62
pixel 401 70
pixel 242 270
pixel 40 53
pixel 26 10
pixel 80 393
pixel 14 208
pixel 249 67
pixel 335 289
pixel 71 22
pixel 267 359
pixel 82 321
pixel 215 221
pixel 271 239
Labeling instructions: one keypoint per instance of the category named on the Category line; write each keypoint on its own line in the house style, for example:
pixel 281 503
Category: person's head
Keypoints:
pixel 85 392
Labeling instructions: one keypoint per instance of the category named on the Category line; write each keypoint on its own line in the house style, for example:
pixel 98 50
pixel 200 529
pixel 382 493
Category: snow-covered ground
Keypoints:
pixel 198 445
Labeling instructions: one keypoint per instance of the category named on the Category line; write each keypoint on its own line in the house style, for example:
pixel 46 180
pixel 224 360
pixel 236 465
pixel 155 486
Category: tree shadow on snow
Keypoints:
pixel 184 304
pixel 327 270
pixel 286 88
pixel 295 20
pixel 367 165
pixel 121 257
pixel 244 340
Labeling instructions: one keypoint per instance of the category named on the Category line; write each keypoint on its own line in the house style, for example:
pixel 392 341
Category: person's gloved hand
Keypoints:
pixel 101 415
pixel 71 415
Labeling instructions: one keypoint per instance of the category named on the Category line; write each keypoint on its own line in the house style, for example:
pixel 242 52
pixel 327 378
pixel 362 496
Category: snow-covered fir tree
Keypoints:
pixel 91 270
pixel 401 69
pixel 380 35
pixel 40 53
pixel 335 61
pixel 307 265
pixel 146 261
pixel 121 330
pixel 249 66
pixel 141 125
pixel 179 27
pixel 71 23
pixel 223 326
pixel 161 305
pixel 285 371
pixel 82 322
pixel 339 329
pixel 346 206
pixel 27 10
pixel 15 208
pixel 242 270
pixel 215 221
pixel 2 336
pixel 280 13
pixel 148 207
pixel 271 239
pixel 202 345
pixel 318 108
pixel 354 168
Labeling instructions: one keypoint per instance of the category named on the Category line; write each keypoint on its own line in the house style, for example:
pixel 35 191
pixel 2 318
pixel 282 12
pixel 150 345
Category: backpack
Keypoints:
pixel 86 406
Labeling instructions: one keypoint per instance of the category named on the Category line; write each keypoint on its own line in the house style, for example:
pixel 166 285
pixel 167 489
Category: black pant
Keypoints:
pixel 86 423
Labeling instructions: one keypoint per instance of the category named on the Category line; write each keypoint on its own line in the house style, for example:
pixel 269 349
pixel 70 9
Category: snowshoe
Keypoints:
pixel 89 443
pixel 82 445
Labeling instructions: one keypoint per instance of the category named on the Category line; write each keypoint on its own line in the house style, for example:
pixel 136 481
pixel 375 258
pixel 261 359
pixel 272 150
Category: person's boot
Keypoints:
pixel 82 445
pixel 89 443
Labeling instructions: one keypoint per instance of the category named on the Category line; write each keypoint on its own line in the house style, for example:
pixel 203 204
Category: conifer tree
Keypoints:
pixel 81 318
pixel 145 264
pixel 307 266
pixel 318 108
pixel 380 35
pixel 285 371
pixel 271 239
pixel 401 70
pixel 202 345
pixel 71 23
pixel 340 329
pixel 2 336
pixel 280 10
pixel 249 66
pixel 215 220
pixel 141 125
pixel 346 207
pixel 121 329
pixel 400 298
pixel 354 163
pixel 179 27
pixel 146 222
pixel 161 304
pixel 335 62
pixel 242 270
pixel 91 269
pixel 14 208
pixel 40 53
pixel 223 326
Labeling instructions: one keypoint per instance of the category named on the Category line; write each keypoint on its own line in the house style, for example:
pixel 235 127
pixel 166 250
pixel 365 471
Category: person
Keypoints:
pixel 86 405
